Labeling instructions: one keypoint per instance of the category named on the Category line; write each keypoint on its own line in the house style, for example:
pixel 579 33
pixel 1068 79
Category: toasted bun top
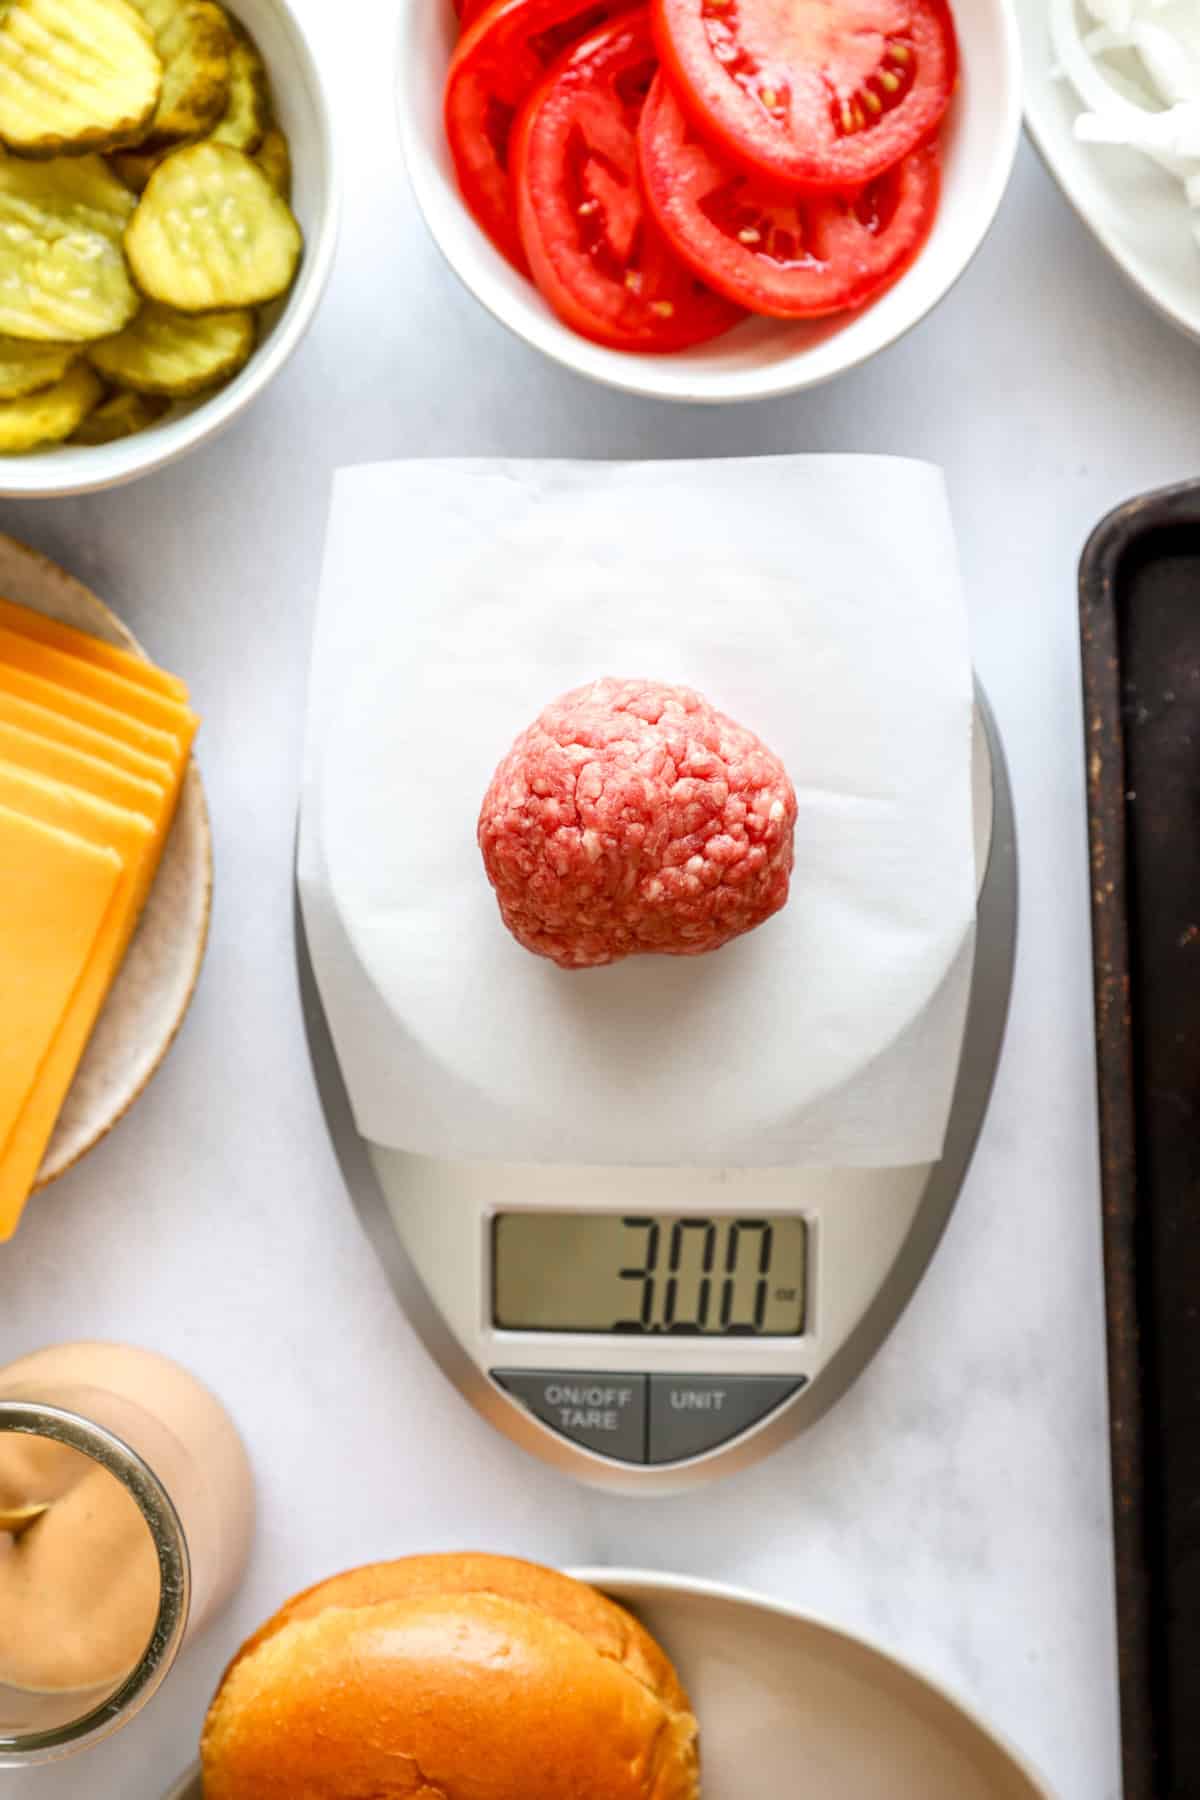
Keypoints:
pixel 450 1678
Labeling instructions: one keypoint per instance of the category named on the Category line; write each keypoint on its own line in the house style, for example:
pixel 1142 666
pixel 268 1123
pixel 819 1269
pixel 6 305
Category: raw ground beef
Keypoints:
pixel 633 818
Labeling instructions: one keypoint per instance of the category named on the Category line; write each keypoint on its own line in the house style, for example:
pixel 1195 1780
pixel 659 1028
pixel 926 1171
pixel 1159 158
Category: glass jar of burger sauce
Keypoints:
pixel 126 1514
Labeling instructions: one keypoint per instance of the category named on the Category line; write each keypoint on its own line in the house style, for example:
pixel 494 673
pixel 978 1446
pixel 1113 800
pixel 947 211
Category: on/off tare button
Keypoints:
pixel 605 1413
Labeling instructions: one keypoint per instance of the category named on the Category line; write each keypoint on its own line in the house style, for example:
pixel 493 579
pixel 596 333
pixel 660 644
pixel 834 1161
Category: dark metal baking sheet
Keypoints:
pixel 1140 618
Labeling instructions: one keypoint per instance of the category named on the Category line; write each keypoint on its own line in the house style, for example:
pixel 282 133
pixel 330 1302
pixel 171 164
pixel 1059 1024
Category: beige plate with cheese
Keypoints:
pixel 825 1713
pixel 150 995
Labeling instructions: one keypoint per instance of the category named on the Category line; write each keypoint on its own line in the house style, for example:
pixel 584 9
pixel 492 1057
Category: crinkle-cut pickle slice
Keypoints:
pixel 274 158
pixel 63 277
pixel 243 125
pixel 75 75
pixel 51 415
pixel 165 352
pixel 210 232
pixel 195 40
pixel 25 367
pixel 119 416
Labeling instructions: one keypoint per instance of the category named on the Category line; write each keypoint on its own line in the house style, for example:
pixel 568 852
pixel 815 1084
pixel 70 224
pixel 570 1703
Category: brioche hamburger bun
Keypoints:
pixel 450 1678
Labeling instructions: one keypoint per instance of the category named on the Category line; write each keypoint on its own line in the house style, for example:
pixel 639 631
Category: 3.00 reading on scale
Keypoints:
pixel 685 1276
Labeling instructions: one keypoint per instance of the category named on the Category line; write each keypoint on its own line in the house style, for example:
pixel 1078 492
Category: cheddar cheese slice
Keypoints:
pixel 100 685
pixel 138 842
pixel 29 716
pixel 127 730
pixel 75 768
pixel 71 642
pixel 55 893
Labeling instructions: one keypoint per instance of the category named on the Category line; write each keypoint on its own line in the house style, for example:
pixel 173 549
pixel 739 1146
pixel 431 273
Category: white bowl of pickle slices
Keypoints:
pixel 168 216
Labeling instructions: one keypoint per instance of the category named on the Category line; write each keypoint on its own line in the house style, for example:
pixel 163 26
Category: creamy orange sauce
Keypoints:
pixel 79 1587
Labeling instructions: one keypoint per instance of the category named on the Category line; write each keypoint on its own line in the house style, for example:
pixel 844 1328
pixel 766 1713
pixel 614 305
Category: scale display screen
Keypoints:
pixel 642 1275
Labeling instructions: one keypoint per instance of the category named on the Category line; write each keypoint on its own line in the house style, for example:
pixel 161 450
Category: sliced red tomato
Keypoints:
pixel 791 253
pixel 818 93
pixel 595 251
pixel 498 61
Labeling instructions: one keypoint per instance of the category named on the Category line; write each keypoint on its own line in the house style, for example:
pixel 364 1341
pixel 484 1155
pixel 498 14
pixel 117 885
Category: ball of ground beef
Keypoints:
pixel 633 818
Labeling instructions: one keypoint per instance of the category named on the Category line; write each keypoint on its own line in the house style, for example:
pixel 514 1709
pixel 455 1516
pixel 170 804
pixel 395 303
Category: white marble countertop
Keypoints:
pixel 955 1505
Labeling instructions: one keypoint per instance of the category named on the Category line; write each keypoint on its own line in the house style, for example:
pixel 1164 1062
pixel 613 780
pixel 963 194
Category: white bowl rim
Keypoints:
pixel 632 1582
pixel 637 375
pixel 34 477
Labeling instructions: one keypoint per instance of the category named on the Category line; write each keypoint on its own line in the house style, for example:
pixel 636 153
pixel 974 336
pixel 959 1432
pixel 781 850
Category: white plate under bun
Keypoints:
pixel 150 996
pixel 1136 212
pixel 762 356
pixel 303 112
pixel 789 1705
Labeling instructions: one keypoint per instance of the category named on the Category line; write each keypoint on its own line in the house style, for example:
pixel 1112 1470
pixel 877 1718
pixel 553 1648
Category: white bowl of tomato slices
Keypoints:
pixel 709 200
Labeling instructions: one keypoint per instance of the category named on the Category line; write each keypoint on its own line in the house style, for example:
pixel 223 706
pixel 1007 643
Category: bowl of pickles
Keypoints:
pixel 168 215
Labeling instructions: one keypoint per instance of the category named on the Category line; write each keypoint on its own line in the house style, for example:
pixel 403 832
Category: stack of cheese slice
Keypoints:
pixel 94 744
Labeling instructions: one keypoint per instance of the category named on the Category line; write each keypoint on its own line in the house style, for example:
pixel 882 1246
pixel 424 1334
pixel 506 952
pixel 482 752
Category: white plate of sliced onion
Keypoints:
pixel 1112 100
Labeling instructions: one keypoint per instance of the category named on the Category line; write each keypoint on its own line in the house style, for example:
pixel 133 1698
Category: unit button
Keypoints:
pixel 605 1413
pixel 690 1414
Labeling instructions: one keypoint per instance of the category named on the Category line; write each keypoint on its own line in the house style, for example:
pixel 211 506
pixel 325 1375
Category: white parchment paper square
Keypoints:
pixel 816 599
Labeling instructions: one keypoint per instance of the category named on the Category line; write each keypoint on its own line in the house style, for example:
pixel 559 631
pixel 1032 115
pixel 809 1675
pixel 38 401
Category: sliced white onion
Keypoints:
pixel 1096 92
pixel 1172 133
pixel 1137 93
pixel 1169 61
pixel 1116 13
pixel 1180 17
pixel 1158 117
pixel 1104 40
pixel 1179 168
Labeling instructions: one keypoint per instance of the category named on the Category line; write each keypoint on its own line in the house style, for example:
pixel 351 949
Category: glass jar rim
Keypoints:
pixel 37 1419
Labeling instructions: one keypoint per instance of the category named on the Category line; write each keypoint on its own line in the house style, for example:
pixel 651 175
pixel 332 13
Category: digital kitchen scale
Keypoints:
pixel 645 1328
